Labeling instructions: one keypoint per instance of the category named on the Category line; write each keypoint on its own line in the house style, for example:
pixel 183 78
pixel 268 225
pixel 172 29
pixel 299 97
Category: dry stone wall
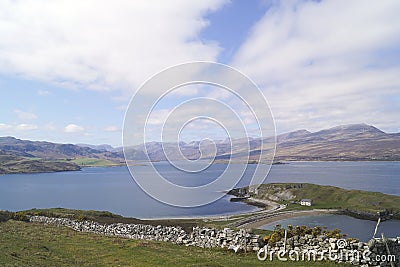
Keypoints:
pixel 200 236
pixel 372 253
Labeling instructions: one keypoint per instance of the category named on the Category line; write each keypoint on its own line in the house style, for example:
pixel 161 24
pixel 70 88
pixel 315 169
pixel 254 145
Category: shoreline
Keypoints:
pixel 144 163
pixel 248 220
pixel 275 212
pixel 257 222
pixel 215 217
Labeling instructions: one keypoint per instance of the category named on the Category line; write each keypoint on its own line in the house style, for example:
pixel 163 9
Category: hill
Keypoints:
pixel 358 203
pixel 48 150
pixel 103 147
pixel 346 142
pixel 13 164
pixel 24 156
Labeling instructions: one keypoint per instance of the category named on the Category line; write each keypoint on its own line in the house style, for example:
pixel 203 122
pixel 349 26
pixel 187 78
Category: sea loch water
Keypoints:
pixel 353 227
pixel 114 190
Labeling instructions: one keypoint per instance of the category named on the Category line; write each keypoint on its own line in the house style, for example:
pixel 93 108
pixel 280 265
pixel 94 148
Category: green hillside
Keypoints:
pixel 329 197
pixel 10 164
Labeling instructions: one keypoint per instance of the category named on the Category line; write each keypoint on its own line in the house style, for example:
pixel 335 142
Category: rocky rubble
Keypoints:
pixel 226 238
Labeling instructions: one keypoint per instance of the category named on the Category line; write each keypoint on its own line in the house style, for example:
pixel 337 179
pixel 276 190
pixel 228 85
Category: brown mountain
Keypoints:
pixel 346 142
pixel 24 156
pixel 51 151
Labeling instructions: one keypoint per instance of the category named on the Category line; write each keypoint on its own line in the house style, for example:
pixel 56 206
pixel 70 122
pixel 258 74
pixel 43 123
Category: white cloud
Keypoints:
pixel 4 127
pixel 26 127
pixel 326 63
pixel 201 117
pixel 25 115
pixel 13 128
pixel 112 128
pixel 184 91
pixel 73 128
pixel 121 107
pixel 158 117
pixel 43 92
pixel 103 45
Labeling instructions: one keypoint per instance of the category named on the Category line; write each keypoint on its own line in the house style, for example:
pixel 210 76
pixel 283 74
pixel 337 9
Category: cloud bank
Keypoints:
pixel 319 63
pixel 324 63
pixel 101 45
pixel 73 128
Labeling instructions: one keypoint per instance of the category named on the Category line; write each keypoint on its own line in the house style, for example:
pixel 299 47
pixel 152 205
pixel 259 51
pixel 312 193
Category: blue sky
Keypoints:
pixel 69 78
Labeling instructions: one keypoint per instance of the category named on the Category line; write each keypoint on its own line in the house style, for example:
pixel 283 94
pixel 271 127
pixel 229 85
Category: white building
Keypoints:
pixel 253 190
pixel 306 202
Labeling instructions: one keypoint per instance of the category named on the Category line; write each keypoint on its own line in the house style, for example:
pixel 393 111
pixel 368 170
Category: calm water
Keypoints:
pixel 110 189
pixel 370 176
pixel 114 190
pixel 361 229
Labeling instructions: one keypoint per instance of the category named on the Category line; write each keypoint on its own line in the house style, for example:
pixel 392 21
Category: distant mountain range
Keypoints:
pixel 103 147
pixel 346 142
pixel 52 151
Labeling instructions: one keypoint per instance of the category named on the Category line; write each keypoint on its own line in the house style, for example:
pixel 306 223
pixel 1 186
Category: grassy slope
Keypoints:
pixel 27 244
pixel 333 197
pixel 12 164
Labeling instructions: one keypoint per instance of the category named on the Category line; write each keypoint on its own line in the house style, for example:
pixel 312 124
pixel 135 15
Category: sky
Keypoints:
pixel 68 69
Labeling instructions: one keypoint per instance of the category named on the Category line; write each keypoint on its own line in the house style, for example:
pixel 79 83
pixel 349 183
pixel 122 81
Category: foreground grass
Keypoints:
pixel 27 244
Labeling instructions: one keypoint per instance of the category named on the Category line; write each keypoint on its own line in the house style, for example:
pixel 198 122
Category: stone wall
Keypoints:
pixel 200 236
pixel 296 247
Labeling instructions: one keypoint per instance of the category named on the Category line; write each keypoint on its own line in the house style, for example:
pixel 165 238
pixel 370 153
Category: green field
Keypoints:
pixel 28 244
pixel 94 162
